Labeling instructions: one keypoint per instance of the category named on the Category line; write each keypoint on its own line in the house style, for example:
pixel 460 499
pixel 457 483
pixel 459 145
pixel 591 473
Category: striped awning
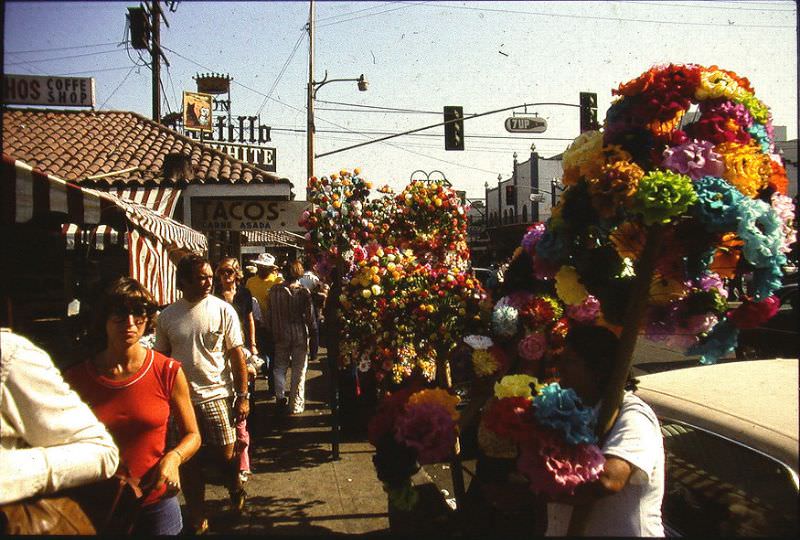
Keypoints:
pixel 273 238
pixel 98 236
pixel 28 193
pixel 161 199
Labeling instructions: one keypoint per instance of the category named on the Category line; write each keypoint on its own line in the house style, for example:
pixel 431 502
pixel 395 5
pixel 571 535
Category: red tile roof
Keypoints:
pixel 74 145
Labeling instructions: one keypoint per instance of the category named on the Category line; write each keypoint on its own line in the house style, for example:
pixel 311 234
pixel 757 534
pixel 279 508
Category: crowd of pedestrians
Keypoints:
pixel 140 414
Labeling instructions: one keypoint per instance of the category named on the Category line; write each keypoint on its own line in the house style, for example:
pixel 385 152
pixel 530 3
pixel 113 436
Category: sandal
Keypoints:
pixel 197 530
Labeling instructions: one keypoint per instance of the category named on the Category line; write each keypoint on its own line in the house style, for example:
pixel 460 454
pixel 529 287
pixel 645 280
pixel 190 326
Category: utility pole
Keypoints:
pixel 155 55
pixel 310 128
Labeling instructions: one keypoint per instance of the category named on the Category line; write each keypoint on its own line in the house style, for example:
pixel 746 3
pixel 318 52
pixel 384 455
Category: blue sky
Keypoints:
pixel 417 56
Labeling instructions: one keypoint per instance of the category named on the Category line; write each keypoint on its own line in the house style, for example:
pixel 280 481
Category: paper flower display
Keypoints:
pixel 686 155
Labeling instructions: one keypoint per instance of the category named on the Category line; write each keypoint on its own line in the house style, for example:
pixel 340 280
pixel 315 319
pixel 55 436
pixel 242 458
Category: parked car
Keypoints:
pixel 482 274
pixel 731 443
pixel 778 337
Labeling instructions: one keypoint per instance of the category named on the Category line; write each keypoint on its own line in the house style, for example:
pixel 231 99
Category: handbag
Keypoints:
pixel 106 507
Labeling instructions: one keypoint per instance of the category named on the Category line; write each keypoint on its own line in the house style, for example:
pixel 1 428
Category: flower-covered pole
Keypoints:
pixel 634 315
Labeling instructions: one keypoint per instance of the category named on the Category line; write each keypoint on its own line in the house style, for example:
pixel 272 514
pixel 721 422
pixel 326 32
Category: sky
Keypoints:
pixel 417 57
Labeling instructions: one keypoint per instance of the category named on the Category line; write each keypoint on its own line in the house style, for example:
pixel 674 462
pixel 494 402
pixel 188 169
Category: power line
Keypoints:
pixel 353 12
pixel 176 53
pixel 94 71
pixel 63 48
pixel 283 70
pixel 371 14
pixel 596 18
pixel 53 59
pixel 118 87
pixel 702 5
pixel 383 109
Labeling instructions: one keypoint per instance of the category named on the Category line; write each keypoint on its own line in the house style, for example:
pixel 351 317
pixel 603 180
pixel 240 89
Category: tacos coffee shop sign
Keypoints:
pixel 245 214
pixel 44 90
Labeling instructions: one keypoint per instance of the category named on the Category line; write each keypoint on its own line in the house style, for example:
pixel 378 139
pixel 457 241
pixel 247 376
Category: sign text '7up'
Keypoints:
pixel 526 124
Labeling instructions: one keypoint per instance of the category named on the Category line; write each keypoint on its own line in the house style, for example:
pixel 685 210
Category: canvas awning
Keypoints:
pixel 273 238
pixel 153 239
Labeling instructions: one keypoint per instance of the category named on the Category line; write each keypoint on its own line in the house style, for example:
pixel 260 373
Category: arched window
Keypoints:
pixel 524 213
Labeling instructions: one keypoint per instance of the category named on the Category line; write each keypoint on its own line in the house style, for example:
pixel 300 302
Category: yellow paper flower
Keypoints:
pixel 614 186
pixel 494 446
pixel 628 239
pixel 583 157
pixel 756 107
pixel 663 291
pixel 436 396
pixel 569 288
pixel 484 363
pixel 715 84
pixel 746 167
pixel 516 386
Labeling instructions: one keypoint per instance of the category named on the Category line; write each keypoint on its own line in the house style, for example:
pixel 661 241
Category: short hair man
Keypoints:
pixel 626 499
pixel 203 333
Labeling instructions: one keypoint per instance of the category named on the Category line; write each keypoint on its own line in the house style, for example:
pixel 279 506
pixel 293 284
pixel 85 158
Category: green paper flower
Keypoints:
pixel 663 195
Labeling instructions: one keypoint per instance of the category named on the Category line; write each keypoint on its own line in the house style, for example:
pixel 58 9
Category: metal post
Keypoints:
pixel 155 56
pixel 310 129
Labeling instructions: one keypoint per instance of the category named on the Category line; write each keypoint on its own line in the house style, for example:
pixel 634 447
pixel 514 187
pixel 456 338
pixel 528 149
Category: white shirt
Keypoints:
pixel 49 439
pixel 199 335
pixel 636 510
pixel 310 281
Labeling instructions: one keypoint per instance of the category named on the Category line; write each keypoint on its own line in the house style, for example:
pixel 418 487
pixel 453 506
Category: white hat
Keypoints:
pixel 264 259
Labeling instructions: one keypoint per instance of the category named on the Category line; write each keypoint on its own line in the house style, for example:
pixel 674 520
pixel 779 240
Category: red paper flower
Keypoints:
pixel 754 314
pixel 510 418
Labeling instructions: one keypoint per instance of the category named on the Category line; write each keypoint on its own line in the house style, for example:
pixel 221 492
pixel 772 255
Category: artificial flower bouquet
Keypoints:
pixel 546 429
pixel 713 190
pixel 411 427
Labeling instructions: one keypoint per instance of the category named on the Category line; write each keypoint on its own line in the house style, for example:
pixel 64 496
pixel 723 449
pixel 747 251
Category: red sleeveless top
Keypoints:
pixel 135 410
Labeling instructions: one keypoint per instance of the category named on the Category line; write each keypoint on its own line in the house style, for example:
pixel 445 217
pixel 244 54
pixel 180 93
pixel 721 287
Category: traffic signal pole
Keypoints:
pixel 465 118
pixel 155 52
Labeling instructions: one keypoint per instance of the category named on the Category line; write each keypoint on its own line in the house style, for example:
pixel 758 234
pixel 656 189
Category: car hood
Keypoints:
pixel 754 402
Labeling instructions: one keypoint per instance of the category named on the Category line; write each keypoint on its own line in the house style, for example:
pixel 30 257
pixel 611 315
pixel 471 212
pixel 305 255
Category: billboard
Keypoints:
pixel 46 90
pixel 197 111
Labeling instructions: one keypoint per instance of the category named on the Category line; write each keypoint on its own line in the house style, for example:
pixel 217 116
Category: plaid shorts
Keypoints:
pixel 215 420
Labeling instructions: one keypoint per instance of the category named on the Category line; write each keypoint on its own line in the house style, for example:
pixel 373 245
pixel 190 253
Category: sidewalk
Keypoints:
pixel 296 488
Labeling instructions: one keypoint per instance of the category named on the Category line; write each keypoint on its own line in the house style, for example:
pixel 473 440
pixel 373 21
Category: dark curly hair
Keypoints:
pixel 598 347
pixel 186 267
pixel 123 296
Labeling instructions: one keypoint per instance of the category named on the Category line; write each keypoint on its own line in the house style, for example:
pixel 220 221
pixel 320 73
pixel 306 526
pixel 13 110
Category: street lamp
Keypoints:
pixel 313 88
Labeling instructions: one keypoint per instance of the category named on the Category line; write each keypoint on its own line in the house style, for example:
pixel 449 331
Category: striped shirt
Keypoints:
pixel 290 313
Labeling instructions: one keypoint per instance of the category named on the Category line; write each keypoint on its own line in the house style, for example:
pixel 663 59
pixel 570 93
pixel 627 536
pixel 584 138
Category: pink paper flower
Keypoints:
pixel 555 468
pixel 429 429
pixel 694 159
pixel 586 311
pixel 532 346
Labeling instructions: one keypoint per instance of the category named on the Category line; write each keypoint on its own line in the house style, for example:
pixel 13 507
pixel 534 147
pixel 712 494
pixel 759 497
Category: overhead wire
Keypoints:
pixel 281 73
pixel 370 14
pixel 118 86
pixel 599 18
pixel 53 59
pixel 63 48
pixel 703 5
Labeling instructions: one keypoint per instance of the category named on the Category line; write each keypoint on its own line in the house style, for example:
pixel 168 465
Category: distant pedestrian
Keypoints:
pixel 291 320
pixel 203 333
pixel 311 281
pixel 229 276
pixel 266 277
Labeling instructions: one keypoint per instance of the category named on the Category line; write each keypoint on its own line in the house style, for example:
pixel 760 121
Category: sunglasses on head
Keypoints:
pixel 139 313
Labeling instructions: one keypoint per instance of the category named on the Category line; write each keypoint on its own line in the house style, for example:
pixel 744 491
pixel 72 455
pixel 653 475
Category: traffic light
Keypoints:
pixel 588 111
pixel 140 28
pixel 454 131
pixel 511 195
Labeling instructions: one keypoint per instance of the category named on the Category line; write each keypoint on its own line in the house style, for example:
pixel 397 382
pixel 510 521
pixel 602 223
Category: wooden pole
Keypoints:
pixel 615 389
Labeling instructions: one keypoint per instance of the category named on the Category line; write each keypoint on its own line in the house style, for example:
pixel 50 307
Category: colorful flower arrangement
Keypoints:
pixel 411 427
pixel 407 297
pixel 713 186
pixel 546 429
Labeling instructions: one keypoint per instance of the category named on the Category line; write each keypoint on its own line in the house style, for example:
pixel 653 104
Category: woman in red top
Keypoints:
pixel 132 390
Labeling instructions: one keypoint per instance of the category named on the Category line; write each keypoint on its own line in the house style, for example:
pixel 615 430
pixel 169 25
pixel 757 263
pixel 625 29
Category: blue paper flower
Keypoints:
pixel 761 229
pixel 717 203
pixel 720 342
pixel 767 280
pixel 553 244
pixel 759 133
pixel 562 410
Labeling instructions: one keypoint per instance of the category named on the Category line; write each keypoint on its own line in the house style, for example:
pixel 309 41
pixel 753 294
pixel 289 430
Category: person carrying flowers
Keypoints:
pixel 626 496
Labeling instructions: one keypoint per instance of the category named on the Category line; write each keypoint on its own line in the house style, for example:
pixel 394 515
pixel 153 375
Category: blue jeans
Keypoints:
pixel 163 517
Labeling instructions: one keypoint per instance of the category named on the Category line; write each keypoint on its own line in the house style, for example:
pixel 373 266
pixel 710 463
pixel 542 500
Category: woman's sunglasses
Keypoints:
pixel 227 271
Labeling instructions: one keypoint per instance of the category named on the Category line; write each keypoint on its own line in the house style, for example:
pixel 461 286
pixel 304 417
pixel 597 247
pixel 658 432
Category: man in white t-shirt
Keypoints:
pixel 203 333
pixel 626 499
